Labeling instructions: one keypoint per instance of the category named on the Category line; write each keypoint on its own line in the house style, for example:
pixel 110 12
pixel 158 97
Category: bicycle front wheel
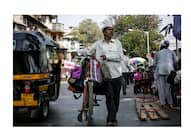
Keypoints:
pixel 87 109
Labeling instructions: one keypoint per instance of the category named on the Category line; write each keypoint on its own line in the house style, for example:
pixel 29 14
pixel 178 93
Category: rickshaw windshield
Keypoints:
pixel 29 55
pixel 25 62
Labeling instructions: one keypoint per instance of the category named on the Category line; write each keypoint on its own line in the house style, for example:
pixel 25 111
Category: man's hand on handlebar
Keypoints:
pixel 103 57
pixel 110 59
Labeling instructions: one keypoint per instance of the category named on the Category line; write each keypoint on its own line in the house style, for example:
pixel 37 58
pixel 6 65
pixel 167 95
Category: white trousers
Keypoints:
pixel 164 90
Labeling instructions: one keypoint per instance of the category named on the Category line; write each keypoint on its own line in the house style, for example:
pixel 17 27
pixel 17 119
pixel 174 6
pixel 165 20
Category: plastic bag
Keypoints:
pixel 76 72
pixel 95 71
pixel 105 71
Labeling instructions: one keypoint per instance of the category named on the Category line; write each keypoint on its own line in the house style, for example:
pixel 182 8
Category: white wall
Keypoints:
pixel 168 19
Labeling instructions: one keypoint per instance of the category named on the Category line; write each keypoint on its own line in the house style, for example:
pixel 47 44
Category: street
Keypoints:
pixel 65 110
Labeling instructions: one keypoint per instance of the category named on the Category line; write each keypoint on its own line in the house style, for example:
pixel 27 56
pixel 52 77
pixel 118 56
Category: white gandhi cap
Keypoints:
pixel 106 26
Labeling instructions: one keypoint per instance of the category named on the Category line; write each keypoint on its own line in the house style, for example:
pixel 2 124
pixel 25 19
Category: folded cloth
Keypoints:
pixel 95 70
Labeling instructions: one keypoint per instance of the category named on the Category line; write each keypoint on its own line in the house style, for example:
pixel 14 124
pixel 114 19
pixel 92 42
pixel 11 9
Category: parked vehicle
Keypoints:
pixel 36 76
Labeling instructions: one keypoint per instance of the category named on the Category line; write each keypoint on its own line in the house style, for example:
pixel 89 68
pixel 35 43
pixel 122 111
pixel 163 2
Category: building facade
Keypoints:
pixel 46 24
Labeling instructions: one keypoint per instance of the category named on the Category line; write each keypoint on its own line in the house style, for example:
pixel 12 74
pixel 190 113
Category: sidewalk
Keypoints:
pixel 127 115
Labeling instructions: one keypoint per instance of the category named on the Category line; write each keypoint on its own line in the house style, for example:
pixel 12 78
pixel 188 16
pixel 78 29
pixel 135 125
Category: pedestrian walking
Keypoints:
pixel 164 62
pixel 74 59
pixel 125 72
pixel 137 77
pixel 109 51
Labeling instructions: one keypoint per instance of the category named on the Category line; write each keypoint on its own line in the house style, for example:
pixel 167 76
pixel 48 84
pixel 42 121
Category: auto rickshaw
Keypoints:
pixel 36 76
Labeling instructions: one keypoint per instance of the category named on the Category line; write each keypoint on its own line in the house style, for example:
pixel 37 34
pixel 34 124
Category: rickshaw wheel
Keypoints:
pixel 44 110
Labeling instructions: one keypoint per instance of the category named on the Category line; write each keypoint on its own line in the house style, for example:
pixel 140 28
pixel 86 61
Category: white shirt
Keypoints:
pixel 125 64
pixel 150 60
pixel 164 61
pixel 112 51
pixel 178 77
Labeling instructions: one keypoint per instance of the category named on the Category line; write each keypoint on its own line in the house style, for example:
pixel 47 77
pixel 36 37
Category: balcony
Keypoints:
pixel 18 19
pixel 58 27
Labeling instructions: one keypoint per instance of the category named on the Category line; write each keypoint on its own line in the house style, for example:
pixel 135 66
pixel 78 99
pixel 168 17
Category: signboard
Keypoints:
pixel 69 64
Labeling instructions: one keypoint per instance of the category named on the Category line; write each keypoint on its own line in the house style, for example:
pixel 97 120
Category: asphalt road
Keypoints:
pixel 65 110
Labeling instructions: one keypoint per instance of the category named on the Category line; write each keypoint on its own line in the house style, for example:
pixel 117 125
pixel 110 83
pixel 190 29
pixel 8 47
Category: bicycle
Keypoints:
pixel 89 95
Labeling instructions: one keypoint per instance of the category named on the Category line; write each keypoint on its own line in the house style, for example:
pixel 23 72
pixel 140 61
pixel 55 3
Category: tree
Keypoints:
pixel 87 32
pixel 135 41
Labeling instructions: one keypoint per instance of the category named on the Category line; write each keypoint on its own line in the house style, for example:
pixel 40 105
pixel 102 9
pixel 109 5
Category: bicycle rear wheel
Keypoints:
pixel 91 98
